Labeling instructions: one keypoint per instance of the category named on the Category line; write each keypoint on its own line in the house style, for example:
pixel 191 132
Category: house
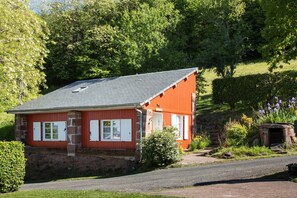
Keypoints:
pixel 110 113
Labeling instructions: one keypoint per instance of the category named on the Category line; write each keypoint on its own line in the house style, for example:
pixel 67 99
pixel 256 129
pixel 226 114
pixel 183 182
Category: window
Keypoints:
pixel 177 122
pixel 111 129
pixel 54 131
pixel 158 121
pixel 116 130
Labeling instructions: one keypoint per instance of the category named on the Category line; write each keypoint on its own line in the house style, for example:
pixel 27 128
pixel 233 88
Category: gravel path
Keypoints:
pixel 202 175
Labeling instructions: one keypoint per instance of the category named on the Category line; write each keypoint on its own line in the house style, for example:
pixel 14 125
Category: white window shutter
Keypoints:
pixel 36 131
pixel 94 130
pixel 126 130
pixel 186 127
pixel 62 131
pixel 173 120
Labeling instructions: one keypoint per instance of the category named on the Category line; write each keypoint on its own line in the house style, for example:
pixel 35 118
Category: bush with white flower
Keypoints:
pixel 278 112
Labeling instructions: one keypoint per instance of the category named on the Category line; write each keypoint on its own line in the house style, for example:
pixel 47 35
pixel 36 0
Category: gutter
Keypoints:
pixel 141 130
pixel 78 108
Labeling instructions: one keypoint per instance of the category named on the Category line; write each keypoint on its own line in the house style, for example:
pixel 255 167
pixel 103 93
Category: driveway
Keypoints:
pixel 202 175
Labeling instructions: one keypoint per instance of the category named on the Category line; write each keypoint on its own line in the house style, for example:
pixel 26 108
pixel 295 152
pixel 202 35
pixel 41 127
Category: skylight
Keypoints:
pixel 80 89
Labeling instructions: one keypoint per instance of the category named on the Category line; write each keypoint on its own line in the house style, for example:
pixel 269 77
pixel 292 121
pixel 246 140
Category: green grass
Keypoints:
pixel 244 151
pixel 222 113
pixel 74 193
pixel 247 69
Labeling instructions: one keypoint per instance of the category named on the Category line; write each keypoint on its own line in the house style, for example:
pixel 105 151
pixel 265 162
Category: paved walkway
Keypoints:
pixel 242 189
pixel 198 158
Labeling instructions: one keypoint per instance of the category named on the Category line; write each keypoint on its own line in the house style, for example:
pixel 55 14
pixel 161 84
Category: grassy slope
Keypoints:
pixel 205 105
pixel 211 118
pixel 74 193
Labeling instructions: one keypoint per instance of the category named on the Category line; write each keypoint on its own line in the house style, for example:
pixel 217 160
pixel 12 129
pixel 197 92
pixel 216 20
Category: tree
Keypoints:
pixel 280 31
pixel 221 34
pixel 22 50
pixel 142 34
pixel 93 38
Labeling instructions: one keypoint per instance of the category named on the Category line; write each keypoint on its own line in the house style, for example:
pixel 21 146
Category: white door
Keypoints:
pixel 157 121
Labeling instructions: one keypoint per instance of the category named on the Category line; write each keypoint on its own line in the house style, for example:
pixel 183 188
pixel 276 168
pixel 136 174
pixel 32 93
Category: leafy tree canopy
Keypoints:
pixel 220 33
pixel 280 31
pixel 22 50
pixel 103 38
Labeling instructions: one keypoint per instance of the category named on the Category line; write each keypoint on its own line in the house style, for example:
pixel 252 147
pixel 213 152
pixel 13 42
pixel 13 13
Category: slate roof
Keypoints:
pixel 124 91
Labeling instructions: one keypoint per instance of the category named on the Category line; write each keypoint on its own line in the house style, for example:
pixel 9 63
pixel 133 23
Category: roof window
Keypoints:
pixel 80 89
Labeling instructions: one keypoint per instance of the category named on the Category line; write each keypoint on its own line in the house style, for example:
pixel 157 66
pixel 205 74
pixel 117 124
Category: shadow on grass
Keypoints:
pixel 280 176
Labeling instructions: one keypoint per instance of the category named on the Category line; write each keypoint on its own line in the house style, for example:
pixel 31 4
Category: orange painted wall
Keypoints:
pixel 103 115
pixel 44 118
pixel 176 100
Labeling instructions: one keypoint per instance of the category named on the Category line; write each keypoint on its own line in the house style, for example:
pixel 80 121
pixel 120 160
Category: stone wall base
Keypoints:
pixel 47 164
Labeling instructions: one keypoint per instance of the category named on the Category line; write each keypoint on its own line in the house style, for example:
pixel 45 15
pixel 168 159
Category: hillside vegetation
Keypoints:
pixel 246 69
pixel 212 117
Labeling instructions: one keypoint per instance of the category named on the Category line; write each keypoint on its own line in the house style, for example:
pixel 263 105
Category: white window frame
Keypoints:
pixel 124 130
pixel 118 122
pixel 60 131
pixel 177 122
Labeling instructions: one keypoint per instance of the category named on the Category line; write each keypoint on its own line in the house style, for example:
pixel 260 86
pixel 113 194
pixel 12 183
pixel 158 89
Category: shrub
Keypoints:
pixel 12 166
pixel 160 148
pixel 199 142
pixel 250 90
pixel 7 131
pixel 6 127
pixel 235 134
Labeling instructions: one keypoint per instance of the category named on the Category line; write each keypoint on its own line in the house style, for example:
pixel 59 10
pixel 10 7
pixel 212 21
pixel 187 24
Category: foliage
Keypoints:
pixel 200 142
pixel 142 33
pixel 6 127
pixel 201 82
pixel 235 134
pixel 22 50
pixel 91 39
pixel 244 151
pixel 160 148
pixel 280 31
pixel 278 112
pixel 12 166
pixel 246 121
pixel 7 131
pixel 181 150
pixel 224 46
pixel 251 90
pixel 75 193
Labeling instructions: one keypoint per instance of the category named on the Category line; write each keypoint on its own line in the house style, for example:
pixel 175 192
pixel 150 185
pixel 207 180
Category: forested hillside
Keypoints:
pixel 70 40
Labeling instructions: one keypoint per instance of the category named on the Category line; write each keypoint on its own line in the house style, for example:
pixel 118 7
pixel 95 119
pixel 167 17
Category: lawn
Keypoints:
pixel 204 103
pixel 247 69
pixel 74 193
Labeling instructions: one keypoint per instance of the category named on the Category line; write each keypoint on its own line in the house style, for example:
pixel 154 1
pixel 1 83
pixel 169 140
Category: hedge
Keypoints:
pixel 6 131
pixel 12 166
pixel 251 90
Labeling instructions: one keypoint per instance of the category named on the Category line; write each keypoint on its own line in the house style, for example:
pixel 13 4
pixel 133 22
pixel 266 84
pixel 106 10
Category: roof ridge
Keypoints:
pixel 130 75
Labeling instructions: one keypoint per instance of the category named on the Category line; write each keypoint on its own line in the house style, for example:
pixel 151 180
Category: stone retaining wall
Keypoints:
pixel 50 164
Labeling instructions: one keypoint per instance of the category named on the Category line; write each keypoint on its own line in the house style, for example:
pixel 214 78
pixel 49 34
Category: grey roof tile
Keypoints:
pixel 106 92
